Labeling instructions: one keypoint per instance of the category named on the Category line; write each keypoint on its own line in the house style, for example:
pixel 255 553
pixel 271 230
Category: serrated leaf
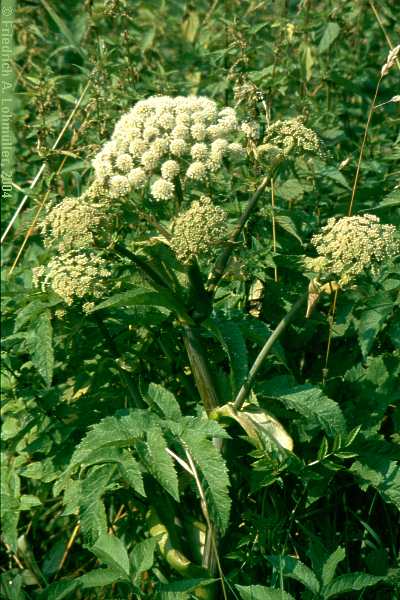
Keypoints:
pixel 120 431
pixel 330 34
pixel 295 569
pixel 381 473
pixel 127 464
pixel 40 344
pixel 214 475
pixel 28 313
pixel 91 508
pixel 330 565
pixel 142 556
pixel 110 550
pixel 165 400
pixel 309 401
pixel 372 321
pixel 260 592
pixel 350 582
pixel 158 462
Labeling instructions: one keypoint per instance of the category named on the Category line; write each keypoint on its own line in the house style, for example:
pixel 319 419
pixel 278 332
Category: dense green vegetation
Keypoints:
pixel 148 449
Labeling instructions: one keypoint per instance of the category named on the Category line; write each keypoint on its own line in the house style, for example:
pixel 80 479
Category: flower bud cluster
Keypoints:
pixel 349 246
pixel 72 223
pixel 197 230
pixel 162 138
pixel 73 275
pixel 291 136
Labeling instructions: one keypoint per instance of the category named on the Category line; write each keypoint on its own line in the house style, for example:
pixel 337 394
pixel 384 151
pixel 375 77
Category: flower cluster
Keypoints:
pixel 291 136
pixel 73 275
pixel 349 246
pixel 162 138
pixel 72 224
pixel 198 229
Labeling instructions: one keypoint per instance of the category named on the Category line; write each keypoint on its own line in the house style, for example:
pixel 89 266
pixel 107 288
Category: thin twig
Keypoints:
pixel 273 225
pixel 381 25
pixel 371 110
pixel 328 346
pixel 246 387
pixel 69 546
pixel 42 168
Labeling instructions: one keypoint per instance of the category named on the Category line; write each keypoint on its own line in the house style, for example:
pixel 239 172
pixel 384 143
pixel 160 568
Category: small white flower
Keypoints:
pixel 197 170
pixel 178 147
pixel 199 151
pixel 162 189
pixel 169 169
pixel 124 162
pixel 137 177
pixel 119 186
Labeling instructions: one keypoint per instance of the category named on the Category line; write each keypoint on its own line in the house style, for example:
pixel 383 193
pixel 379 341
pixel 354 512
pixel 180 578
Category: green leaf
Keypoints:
pixel 142 297
pixel 59 590
pixel 309 401
pixel 166 401
pixel 214 476
pixel 40 344
pixel 100 578
pixel 110 550
pixel 142 556
pixel 330 565
pixel 260 592
pixel 128 466
pixel 62 26
pixel 351 582
pixel 295 569
pixel 287 224
pixel 158 462
pixel 372 320
pixel 381 473
pixel 330 34
pixel 231 338
pixel 91 508
pixel 121 431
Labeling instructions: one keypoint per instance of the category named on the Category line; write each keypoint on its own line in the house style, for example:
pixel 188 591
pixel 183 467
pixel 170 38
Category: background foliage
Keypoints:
pixel 80 462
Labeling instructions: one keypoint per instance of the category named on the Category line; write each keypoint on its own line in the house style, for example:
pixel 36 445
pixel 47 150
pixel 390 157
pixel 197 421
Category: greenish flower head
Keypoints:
pixel 72 224
pixel 293 137
pixel 198 230
pixel 350 246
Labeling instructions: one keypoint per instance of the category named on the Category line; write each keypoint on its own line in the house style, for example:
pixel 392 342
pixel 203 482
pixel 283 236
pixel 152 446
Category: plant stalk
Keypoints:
pixel 248 384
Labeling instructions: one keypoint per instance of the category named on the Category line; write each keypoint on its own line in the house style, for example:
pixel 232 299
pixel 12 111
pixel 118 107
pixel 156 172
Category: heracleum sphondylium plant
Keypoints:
pixel 162 163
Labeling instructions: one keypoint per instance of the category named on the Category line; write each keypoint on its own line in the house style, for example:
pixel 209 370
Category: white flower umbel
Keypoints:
pixel 73 275
pixel 164 136
pixel 349 246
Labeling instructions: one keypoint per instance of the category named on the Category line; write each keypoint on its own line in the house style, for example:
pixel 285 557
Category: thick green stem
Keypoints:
pixel 200 369
pixel 246 387
pixel 141 263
